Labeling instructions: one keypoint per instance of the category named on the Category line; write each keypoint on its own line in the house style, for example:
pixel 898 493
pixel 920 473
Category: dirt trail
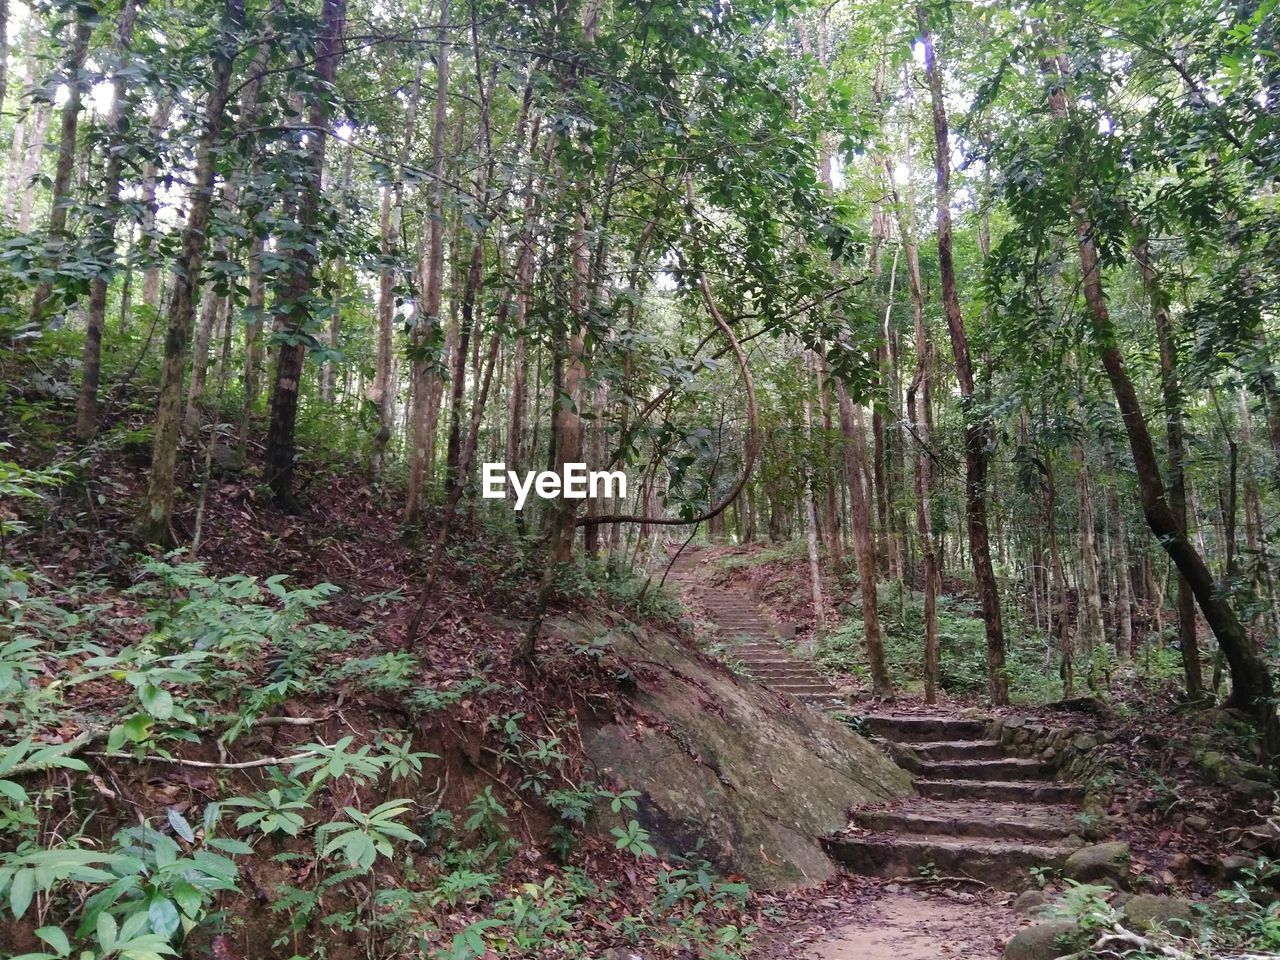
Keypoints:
pixel 902 925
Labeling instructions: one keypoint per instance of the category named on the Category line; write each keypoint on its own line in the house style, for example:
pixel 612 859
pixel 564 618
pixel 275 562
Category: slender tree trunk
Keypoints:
pixel 76 84
pixel 4 51
pixel 855 449
pixel 210 315
pixel 151 275
pixel 43 114
pixel 255 311
pixel 389 220
pixel 919 396
pixel 102 237
pixel 154 526
pixel 333 339
pixel 423 422
pixel 1171 390
pixel 978 433
pixel 810 514
pixel 295 307
pixel 1062 620
pixel 1090 618
pixel 1124 605
pixel 835 552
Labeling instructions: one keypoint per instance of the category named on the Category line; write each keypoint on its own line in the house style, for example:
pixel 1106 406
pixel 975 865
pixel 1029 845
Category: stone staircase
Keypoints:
pixel 979 813
pixel 751 641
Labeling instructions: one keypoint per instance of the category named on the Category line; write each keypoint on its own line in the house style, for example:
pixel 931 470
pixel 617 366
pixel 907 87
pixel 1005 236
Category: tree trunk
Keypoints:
pixel 76 83
pixel 333 338
pixel 810 514
pixel 210 315
pixel 1062 620
pixel 1123 609
pixel 255 310
pixel 978 434
pixel 389 219
pixel 295 308
pixel 151 275
pixel 1171 390
pixel 855 450
pixel 102 238
pixel 429 320
pixel 154 526
pixel 1090 618
pixel 4 51
pixel 919 397
pixel 39 122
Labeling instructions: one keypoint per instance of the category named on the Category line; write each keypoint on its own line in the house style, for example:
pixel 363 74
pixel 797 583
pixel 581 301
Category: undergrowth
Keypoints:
pixel 97 687
pixel 962 640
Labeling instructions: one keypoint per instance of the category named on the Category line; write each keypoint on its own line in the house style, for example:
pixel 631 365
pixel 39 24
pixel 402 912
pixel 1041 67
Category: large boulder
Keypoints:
pixel 718 759
pixel 1045 941
pixel 1148 910
pixel 1099 863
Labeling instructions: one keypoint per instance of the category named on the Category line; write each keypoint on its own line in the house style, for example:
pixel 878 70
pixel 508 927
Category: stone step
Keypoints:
pixel 906 728
pixel 796 689
pixel 1002 864
pixel 1012 791
pixel 1036 823
pixel 959 750
pixel 1004 768
pixel 785 672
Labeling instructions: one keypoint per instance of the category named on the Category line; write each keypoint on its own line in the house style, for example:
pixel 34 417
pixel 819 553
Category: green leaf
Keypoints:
pixel 137 728
pixel 21 890
pixel 55 938
pixel 180 825
pixel 157 701
pixel 163 916
pixel 14 792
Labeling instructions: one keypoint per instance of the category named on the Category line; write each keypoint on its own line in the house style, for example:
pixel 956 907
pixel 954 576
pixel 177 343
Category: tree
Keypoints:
pixel 295 300
pixel 155 524
pixel 978 432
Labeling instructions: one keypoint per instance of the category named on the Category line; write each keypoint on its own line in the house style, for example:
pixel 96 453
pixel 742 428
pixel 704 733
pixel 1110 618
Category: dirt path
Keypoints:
pixel 903 925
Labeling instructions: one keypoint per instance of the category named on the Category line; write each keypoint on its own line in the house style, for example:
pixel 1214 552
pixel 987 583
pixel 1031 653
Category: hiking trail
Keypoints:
pixel 981 818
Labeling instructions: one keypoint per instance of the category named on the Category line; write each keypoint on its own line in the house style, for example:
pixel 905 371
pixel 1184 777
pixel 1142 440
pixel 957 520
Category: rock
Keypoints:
pixel 226 459
pixel 1085 742
pixel 1080 705
pixel 1251 788
pixel 1045 941
pixel 1049 755
pixel 1198 824
pixel 1233 867
pixel 725 762
pixel 1180 862
pixel 1214 765
pixel 1148 910
pixel 1030 901
pixel 1099 863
